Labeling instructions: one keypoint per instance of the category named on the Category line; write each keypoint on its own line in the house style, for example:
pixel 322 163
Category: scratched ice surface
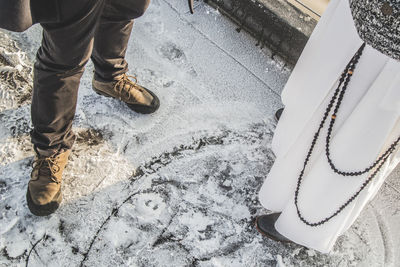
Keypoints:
pixel 178 187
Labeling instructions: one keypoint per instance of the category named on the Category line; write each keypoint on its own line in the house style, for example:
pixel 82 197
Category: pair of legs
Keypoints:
pixel 96 29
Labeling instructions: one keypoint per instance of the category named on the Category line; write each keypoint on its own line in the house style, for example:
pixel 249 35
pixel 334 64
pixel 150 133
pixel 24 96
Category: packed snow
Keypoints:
pixel 178 187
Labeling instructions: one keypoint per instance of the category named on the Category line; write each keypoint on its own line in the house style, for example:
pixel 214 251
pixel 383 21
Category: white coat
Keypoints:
pixel 367 123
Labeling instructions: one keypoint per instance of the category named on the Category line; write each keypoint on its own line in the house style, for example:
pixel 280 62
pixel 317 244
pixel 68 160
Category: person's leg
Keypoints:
pixel 110 44
pixel 65 49
pixel 112 36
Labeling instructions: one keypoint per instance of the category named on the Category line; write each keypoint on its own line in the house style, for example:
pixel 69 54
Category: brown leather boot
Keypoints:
pixel 136 97
pixel 44 188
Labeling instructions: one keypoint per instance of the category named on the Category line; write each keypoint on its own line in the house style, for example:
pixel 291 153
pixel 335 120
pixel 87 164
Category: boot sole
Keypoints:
pixel 139 108
pixel 44 210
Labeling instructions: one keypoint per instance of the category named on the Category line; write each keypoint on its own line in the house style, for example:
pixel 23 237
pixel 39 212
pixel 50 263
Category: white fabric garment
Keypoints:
pixel 367 123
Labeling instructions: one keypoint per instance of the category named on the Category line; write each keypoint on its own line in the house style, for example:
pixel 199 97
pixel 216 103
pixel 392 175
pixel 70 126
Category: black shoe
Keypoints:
pixel 278 114
pixel 265 224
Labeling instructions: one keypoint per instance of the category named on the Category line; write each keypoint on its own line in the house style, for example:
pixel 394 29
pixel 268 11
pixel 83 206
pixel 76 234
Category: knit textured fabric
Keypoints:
pixel 378 24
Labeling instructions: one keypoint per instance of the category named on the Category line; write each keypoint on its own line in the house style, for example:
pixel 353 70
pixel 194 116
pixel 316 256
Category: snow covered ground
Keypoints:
pixel 178 187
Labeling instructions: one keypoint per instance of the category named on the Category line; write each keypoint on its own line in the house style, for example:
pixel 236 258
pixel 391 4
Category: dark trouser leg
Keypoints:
pixel 112 36
pixel 65 49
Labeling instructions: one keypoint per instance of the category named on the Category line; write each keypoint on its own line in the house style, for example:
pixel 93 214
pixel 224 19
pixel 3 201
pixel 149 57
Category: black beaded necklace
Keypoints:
pixel 339 94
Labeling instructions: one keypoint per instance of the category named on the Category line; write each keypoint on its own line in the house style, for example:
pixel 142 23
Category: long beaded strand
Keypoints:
pixel 339 94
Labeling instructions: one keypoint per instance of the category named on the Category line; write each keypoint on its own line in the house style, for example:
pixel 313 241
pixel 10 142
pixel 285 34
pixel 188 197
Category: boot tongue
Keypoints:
pixel 44 169
pixel 45 152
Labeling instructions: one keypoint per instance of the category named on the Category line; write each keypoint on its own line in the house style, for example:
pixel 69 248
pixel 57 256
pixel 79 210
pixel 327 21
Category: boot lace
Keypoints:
pixel 124 85
pixel 47 166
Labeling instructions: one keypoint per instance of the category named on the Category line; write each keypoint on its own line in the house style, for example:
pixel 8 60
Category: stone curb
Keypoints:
pixel 275 24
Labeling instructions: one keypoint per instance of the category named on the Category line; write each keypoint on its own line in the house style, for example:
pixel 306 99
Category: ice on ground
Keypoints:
pixel 178 187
